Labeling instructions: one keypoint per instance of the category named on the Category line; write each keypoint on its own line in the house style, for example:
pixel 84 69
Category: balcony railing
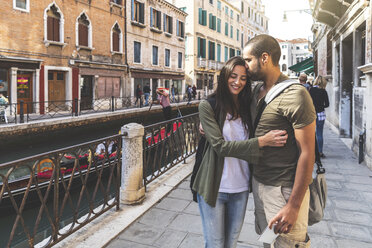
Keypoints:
pixel 219 65
pixel 212 64
pixel 202 63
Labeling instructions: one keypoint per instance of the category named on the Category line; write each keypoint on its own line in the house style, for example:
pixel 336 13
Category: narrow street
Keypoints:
pixel 175 221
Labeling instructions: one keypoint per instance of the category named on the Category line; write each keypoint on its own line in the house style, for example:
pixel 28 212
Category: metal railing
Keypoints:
pixel 33 111
pixel 167 144
pixel 45 198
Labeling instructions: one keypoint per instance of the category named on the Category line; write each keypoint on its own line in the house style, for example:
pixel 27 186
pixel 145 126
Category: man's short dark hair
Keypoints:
pixel 265 43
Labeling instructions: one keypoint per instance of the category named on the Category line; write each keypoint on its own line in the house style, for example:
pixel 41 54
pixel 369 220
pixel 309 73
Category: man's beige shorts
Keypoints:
pixel 268 201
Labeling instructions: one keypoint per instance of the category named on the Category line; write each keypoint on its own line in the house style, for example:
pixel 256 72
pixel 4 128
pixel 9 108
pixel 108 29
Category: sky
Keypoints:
pixel 298 24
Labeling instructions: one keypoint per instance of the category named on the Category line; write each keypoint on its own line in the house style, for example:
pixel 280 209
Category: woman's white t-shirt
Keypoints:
pixel 235 174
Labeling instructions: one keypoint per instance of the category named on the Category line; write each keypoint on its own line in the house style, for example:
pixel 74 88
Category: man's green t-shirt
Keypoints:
pixel 292 109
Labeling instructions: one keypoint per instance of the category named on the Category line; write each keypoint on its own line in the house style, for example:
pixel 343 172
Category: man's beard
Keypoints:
pixel 258 75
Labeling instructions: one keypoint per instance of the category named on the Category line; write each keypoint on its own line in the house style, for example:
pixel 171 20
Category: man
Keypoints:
pixel 163 99
pixel 282 176
pixel 303 80
pixel 147 91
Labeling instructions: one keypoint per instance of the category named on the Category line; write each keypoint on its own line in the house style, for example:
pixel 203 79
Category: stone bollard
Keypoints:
pixel 132 190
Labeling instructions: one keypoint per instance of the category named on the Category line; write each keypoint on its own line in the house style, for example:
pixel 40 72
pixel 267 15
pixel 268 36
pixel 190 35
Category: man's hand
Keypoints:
pixel 284 219
pixel 201 130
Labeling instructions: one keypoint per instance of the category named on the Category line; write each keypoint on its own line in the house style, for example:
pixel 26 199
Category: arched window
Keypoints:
pixel 116 38
pixel 53 22
pixel 284 67
pixel 84 31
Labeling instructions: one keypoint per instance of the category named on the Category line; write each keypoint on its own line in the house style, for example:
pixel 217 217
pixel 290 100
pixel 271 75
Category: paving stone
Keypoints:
pixel 360 179
pixel 249 216
pixel 192 208
pixel 119 243
pixel 248 235
pixel 142 234
pixel 334 185
pixel 242 245
pixel 184 185
pixel 335 177
pixel 354 217
pixel 250 204
pixel 157 217
pixel 354 232
pixel 346 243
pixel 344 195
pixel 173 204
pixel 187 223
pixel 352 205
pixel 322 241
pixel 320 228
pixel 192 240
pixel 354 170
pixel 367 196
pixel 170 239
pixel 357 187
pixel 184 194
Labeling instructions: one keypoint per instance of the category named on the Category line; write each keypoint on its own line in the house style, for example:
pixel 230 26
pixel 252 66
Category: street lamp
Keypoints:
pixel 285 19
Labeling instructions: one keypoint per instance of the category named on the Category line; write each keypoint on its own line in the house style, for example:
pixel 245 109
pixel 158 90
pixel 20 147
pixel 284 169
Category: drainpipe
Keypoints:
pixel 125 45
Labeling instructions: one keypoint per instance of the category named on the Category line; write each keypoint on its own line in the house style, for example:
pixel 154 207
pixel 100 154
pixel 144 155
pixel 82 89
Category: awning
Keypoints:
pixel 303 66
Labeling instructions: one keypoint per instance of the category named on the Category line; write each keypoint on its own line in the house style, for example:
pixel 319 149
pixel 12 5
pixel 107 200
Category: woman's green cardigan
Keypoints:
pixel 208 178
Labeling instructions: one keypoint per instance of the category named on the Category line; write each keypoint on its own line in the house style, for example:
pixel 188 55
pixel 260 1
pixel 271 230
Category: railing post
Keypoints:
pixel 21 112
pixel 199 95
pixel 76 107
pixel 112 104
pixel 132 188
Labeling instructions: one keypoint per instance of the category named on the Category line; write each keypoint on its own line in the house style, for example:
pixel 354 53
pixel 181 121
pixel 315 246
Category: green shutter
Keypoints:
pixel 204 18
pixel 218 52
pixel 210 21
pixel 204 42
pixel 200 16
pixel 218 25
pixel 199 54
pixel 214 22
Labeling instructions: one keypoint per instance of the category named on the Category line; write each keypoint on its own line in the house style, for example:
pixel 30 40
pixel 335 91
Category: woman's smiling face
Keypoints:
pixel 237 80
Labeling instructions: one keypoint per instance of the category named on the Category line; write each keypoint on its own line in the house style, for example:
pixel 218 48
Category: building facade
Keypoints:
pixel 342 53
pixel 293 51
pixel 156 45
pixel 60 51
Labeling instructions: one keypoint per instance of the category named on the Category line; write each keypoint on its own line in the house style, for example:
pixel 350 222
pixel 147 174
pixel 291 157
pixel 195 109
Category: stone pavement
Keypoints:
pixel 175 222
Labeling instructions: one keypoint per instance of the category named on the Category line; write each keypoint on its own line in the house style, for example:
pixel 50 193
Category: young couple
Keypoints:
pixel 280 152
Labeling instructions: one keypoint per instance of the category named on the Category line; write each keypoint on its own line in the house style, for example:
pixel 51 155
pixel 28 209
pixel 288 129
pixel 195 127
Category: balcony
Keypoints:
pixel 211 65
pixel 202 63
pixel 219 65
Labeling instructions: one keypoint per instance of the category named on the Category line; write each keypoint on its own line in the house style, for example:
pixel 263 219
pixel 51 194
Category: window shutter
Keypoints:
pixel 200 16
pixel 164 22
pixel 182 29
pixel 171 25
pixel 56 29
pixel 204 17
pixel 177 28
pixel 141 10
pixel 214 22
pixel 50 28
pixel 115 42
pixel 132 9
pixel 151 17
pixel 204 48
pixel 199 46
pixel 210 21
pixel 83 35
pixel 158 20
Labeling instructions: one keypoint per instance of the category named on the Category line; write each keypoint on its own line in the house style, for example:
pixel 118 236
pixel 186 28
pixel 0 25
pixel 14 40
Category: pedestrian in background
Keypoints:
pixel 303 81
pixel 222 183
pixel 194 91
pixel 146 91
pixel 173 93
pixel 321 101
pixel 189 94
pixel 138 95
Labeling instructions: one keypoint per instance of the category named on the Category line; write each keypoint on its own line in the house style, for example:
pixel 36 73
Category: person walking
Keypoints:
pixel 321 101
pixel 173 93
pixel 193 92
pixel 189 94
pixel 303 80
pixel 223 182
pixel 282 175
pixel 138 95
pixel 146 92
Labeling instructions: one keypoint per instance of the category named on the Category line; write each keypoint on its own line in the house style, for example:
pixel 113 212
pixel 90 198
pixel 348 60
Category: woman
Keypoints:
pixel 321 101
pixel 222 183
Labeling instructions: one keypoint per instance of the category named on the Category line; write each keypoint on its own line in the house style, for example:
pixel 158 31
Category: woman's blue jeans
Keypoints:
pixel 319 134
pixel 222 224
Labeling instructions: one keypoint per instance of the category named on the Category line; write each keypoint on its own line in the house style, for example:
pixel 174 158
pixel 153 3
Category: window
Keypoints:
pixel 218 52
pixel 238 52
pixel 119 2
pixel 226 53
pixel 283 56
pixel 116 39
pixel 179 60
pixel 226 10
pixel 212 21
pixel 297 48
pixel 155 18
pixel 249 12
pixel 237 34
pixel 53 24
pixel 242 7
pixel 284 67
pixel 306 47
pixel 202 17
pixel 218 25
pixel 219 5
pixel 231 14
pixel 84 29
pixel 242 40
pixel 211 1
pixel 155 58
pixel 167 57
pixel 238 17
pixel 23 5
pixel 183 9
pixel 180 32
pixel 137 52
pixel 231 31
pixel 168 24
pixel 138 14
pixel 211 50
pixel 232 52
pixel 201 48
pixel 226 29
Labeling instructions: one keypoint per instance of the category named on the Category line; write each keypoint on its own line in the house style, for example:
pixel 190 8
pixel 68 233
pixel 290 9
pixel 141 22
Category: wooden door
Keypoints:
pixel 86 93
pixel 56 91
pixel 24 92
